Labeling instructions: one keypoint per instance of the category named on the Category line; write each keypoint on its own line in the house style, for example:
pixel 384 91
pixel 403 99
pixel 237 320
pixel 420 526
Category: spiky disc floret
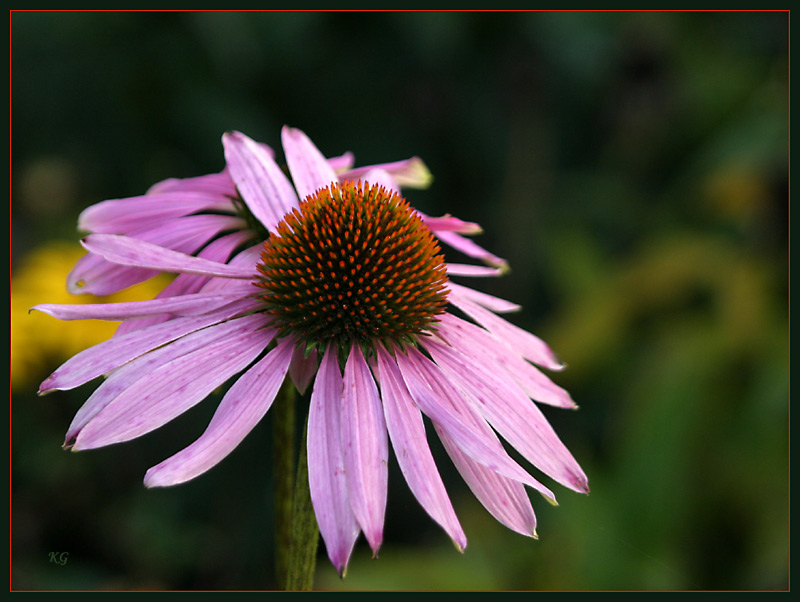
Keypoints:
pixel 354 264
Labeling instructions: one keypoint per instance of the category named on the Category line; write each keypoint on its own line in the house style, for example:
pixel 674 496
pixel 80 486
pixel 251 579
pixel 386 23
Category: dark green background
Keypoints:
pixel 633 168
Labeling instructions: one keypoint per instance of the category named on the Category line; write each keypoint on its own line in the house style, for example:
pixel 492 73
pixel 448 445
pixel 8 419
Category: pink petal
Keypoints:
pixel 261 183
pixel 527 345
pixel 133 252
pixel 365 446
pixel 244 259
pixel 128 374
pixel 481 271
pixel 302 369
pixel 516 418
pixel 448 223
pixel 381 178
pixel 478 344
pixel 342 163
pixel 218 250
pixel 495 304
pixel 110 354
pixel 410 445
pixel 215 183
pixel 187 234
pixel 409 173
pixel 471 249
pixel 453 414
pixel 326 465
pixel 120 216
pixel 506 499
pixel 94 274
pixel 243 406
pixel 186 305
pixel 171 389
pixel 309 168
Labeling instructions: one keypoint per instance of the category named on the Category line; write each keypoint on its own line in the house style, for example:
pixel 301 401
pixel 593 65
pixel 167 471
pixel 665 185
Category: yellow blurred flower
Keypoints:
pixel 38 342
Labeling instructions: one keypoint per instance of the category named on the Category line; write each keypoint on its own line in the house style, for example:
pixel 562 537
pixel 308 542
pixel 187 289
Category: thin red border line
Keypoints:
pixel 403 10
pixel 10 450
pixel 789 240
pixel 789 275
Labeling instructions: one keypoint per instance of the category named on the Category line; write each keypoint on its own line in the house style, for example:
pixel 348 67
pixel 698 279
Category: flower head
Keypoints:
pixel 354 264
pixel 350 291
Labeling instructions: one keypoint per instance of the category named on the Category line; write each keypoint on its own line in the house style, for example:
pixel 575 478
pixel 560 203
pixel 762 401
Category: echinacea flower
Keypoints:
pixel 351 292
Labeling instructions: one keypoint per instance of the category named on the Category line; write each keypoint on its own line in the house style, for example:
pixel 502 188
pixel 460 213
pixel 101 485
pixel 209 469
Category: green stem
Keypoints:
pixel 283 458
pixel 305 532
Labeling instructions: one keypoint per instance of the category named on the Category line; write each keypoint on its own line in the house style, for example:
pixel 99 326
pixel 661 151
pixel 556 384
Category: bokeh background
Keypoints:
pixel 632 167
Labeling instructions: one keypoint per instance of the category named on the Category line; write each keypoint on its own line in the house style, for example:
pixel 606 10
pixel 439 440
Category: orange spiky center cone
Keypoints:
pixel 353 264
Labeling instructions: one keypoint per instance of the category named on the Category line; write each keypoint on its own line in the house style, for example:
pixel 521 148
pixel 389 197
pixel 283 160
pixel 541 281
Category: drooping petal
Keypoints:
pixel 302 369
pixel 138 253
pixel 174 387
pixel 187 234
pixel 309 168
pixel 185 305
pixel 242 407
pixel 215 183
pixel 527 345
pixel 261 183
pixel 365 447
pixel 513 415
pixel 326 466
pixel 450 411
pixel 218 250
pixel 506 499
pixel 448 223
pixel 120 216
pixel 94 274
pixel 125 376
pixel 495 304
pixel 471 249
pixel 477 343
pixel 94 361
pixel 465 269
pixel 410 445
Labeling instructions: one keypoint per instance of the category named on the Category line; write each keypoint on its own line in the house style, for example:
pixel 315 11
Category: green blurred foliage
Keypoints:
pixel 633 168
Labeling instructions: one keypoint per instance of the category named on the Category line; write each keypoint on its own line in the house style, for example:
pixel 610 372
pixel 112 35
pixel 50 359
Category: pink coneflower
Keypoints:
pixel 350 292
